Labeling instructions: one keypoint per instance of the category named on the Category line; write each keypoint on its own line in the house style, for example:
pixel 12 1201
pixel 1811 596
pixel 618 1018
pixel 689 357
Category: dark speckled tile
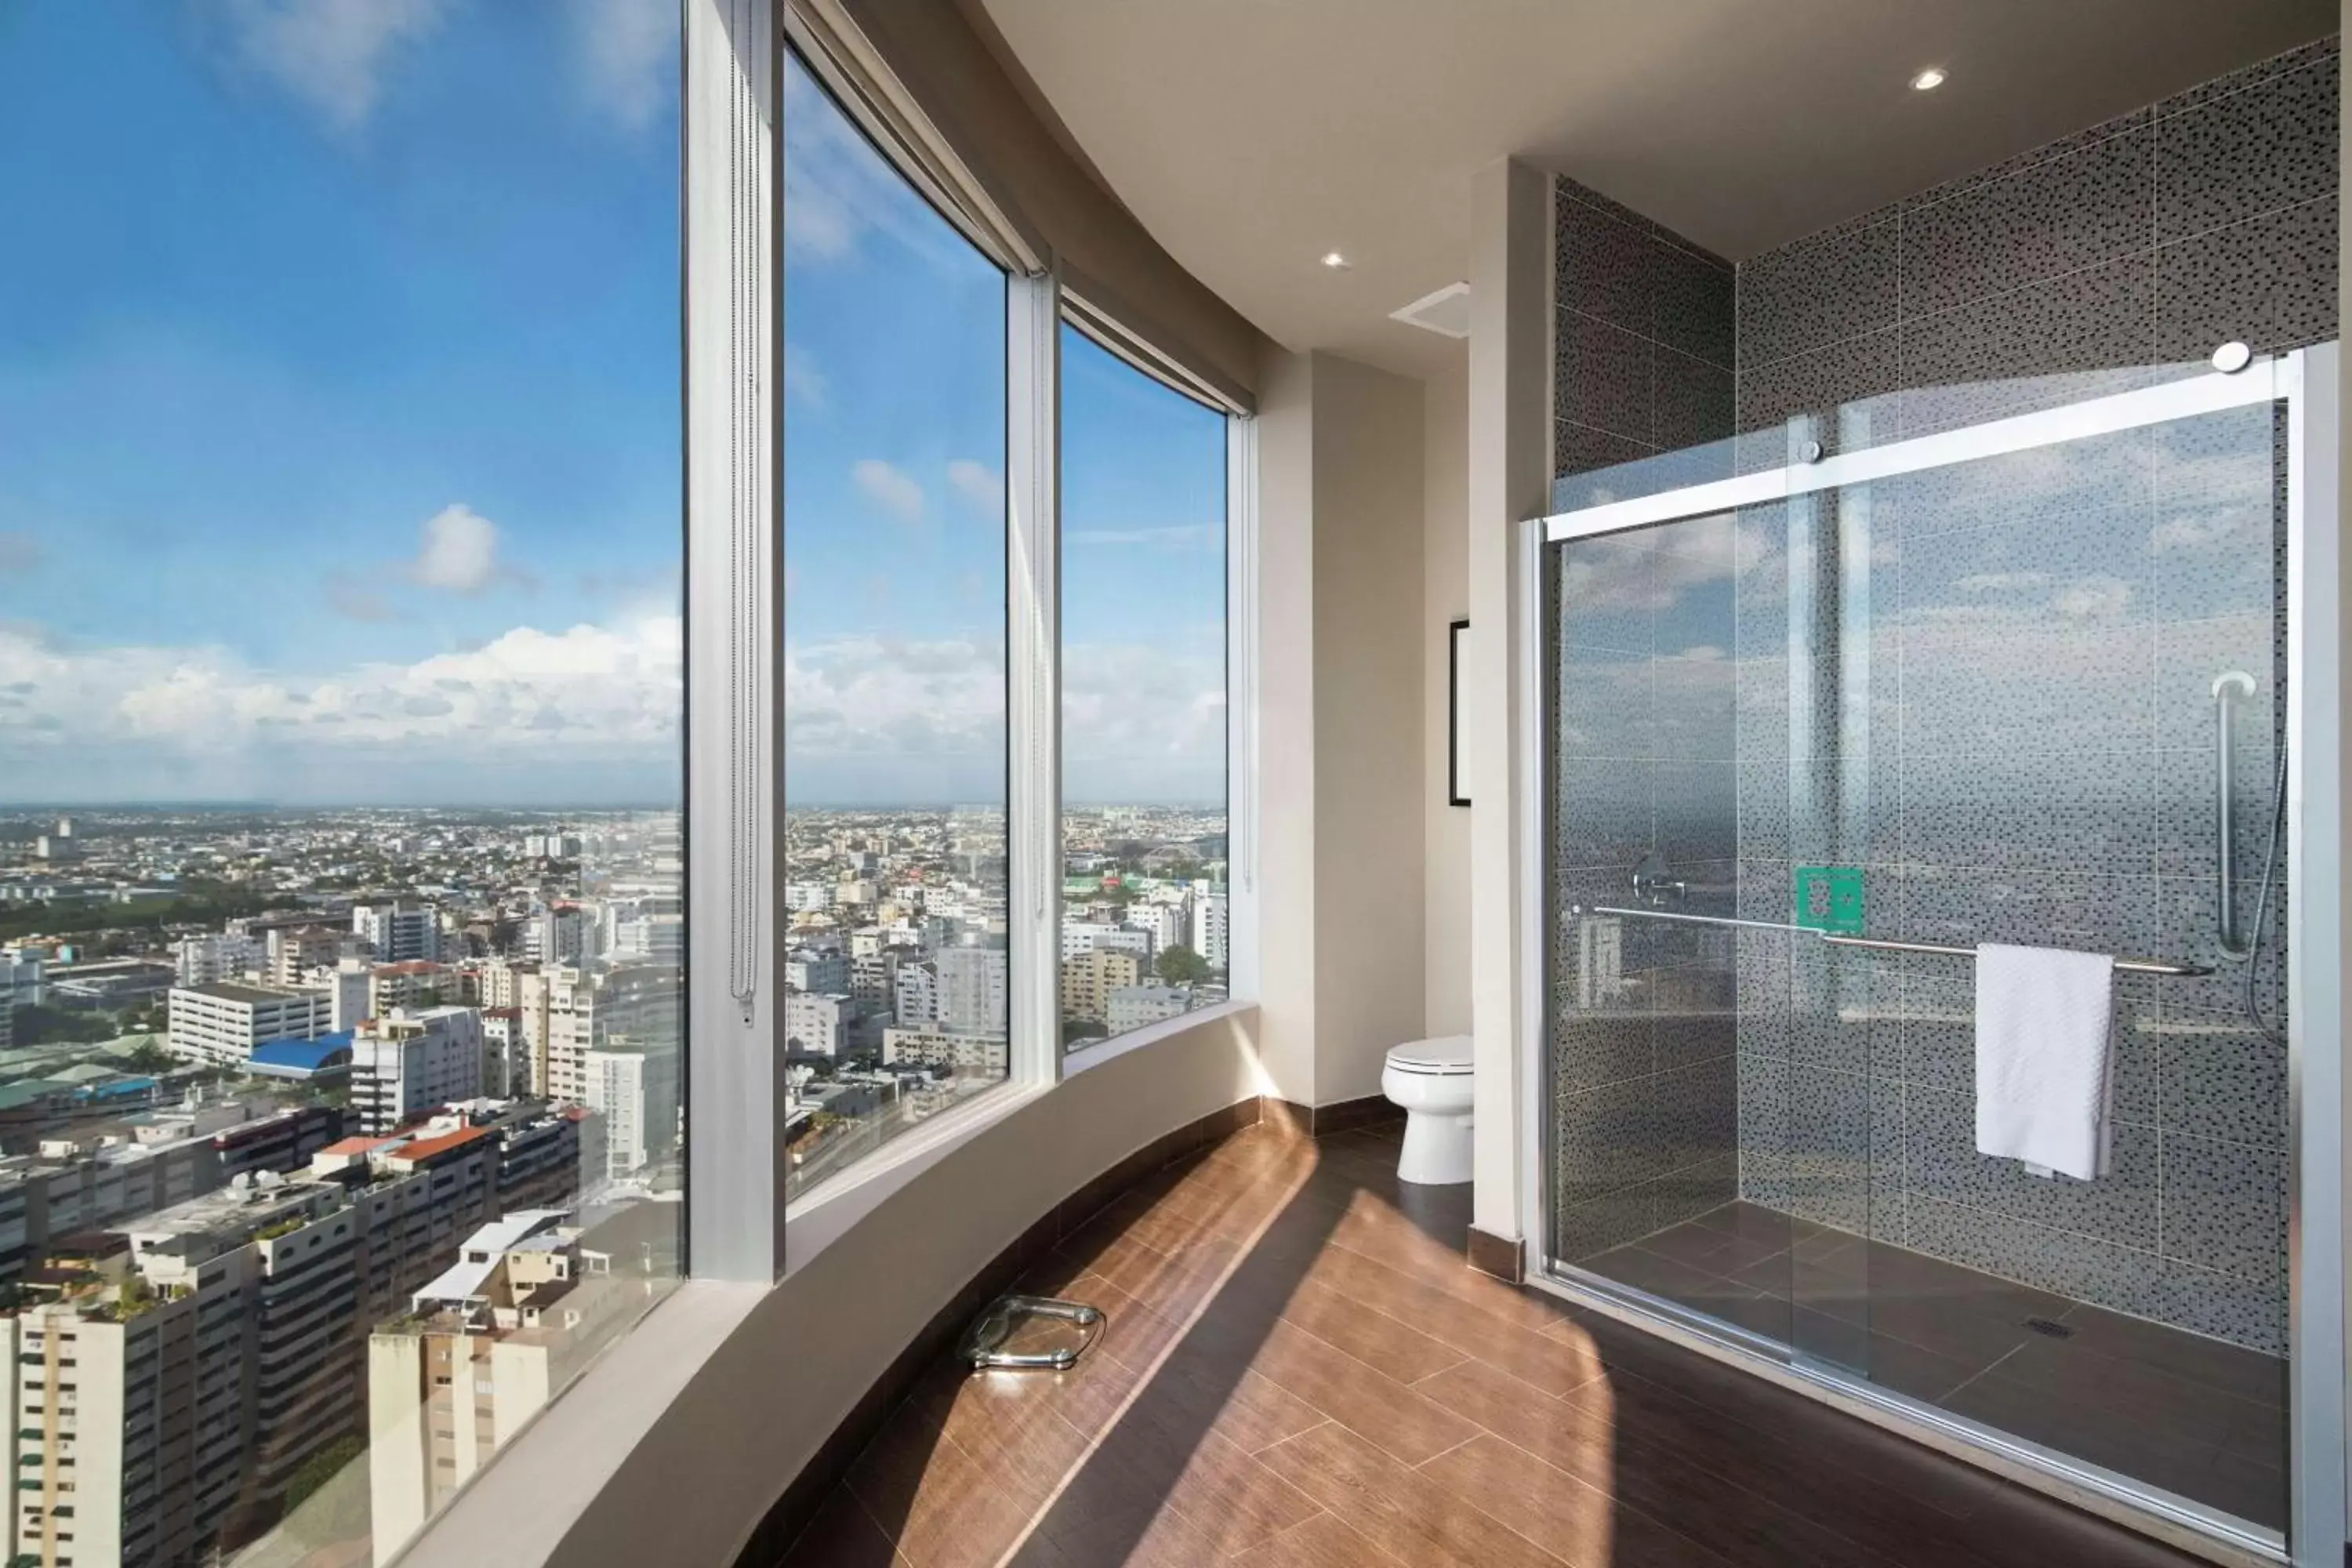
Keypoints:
pixel 1808 296
pixel 2054 217
pixel 2082 334
pixel 2248 153
pixel 2268 281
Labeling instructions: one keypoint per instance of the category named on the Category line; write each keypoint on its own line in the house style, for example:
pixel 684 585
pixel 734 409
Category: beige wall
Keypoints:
pixel 758 1408
pixel 1445 597
pixel 1369 952
pixel 1341 801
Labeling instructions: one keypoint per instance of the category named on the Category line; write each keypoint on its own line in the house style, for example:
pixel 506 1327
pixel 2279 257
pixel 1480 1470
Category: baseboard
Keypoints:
pixel 1505 1258
pixel 1340 1116
pixel 793 1512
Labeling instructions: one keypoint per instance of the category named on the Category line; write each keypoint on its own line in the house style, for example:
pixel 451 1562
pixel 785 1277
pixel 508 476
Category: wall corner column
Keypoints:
pixel 1509 478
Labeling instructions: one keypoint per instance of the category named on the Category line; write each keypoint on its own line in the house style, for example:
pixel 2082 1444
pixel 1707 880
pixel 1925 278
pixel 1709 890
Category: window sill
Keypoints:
pixel 815 1222
pixel 1116 1045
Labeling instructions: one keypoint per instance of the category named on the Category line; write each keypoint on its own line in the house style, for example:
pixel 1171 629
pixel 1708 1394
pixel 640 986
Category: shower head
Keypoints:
pixel 2233 683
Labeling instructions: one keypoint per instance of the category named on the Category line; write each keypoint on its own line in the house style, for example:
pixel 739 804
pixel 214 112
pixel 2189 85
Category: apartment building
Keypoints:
pixel 219 1024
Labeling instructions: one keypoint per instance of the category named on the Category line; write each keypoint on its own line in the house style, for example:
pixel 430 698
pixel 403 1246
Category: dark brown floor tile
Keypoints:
pixel 1572 1521
pixel 1404 1512
pixel 1581 1436
pixel 1323 1541
pixel 2249 1374
pixel 842 1535
pixel 942 1508
pixel 1717 1250
pixel 1357 1327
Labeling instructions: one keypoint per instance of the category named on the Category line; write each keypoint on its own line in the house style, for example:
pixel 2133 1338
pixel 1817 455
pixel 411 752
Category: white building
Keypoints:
pixel 813 969
pixel 1208 929
pixel 1132 1006
pixel 915 996
pixel 411 1063
pixel 221 1023
pixel 972 990
pixel 1169 924
pixel 817 1025
pixel 201 959
pixel 635 1092
pixel 397 935
pixel 553 936
pixel 1094 936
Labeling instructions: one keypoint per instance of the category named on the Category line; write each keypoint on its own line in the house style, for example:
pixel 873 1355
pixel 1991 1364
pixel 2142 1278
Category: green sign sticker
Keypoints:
pixel 1828 897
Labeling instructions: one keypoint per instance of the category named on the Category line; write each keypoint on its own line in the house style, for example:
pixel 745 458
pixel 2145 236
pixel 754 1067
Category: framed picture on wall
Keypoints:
pixel 1453 795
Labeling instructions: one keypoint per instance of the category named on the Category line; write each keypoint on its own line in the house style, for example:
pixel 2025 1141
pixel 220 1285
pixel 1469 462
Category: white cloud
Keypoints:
pixel 543 710
pixel 628 52
pixel 330 54
pixel 355 601
pixel 891 489
pixel 459 553
pixel 873 696
pixel 978 485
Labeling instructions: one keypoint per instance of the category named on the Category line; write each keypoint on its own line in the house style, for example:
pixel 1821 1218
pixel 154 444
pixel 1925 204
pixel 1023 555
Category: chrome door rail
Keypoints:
pixel 1883 944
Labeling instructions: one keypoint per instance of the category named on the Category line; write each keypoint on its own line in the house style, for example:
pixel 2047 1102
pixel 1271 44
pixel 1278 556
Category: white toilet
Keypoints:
pixel 1431 1079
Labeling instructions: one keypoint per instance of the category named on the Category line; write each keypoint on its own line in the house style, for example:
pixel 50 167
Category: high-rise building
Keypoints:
pixel 1210 931
pixel 201 959
pixel 916 996
pixel 484 1343
pixel 221 1023
pixel 291 952
pixel 20 986
pixel 415 982
pixel 397 935
pixel 817 1025
pixel 813 969
pixel 635 1090
pixel 1089 978
pixel 972 990
pixel 406 1064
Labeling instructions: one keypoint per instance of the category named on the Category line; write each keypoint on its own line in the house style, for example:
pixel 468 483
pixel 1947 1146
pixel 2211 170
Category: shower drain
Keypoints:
pixel 2050 1327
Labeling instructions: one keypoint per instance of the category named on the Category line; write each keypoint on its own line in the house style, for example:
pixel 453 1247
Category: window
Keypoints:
pixel 1145 899
pixel 340 645
pixel 896 970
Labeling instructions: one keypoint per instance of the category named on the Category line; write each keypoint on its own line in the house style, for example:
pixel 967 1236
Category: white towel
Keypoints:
pixel 2045 1072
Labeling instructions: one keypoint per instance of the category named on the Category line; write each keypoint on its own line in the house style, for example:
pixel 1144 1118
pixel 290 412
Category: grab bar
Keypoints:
pixel 1883 944
pixel 2228 691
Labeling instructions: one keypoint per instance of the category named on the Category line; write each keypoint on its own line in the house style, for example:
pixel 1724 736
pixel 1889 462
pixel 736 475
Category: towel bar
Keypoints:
pixel 1883 944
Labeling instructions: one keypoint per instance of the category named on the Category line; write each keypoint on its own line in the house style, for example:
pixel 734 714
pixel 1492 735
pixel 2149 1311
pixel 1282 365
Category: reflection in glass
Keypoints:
pixel 1144 894
pixel 340 855
pixel 897 967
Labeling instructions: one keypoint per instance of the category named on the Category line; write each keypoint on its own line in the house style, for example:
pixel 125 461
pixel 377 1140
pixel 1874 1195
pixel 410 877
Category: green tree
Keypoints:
pixel 320 1468
pixel 1179 965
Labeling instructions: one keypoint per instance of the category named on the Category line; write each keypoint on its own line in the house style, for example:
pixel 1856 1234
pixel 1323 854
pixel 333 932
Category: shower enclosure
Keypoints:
pixel 2049 663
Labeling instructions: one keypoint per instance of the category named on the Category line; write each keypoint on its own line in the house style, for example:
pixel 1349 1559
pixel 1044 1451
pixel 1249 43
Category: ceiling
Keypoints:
pixel 1252 136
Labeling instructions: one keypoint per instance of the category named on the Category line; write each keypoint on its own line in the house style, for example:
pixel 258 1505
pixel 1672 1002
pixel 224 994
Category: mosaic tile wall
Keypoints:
pixel 1999 706
pixel 1646 1125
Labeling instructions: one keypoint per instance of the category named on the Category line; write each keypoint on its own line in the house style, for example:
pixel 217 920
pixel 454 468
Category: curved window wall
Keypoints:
pixel 897 963
pixel 1146 898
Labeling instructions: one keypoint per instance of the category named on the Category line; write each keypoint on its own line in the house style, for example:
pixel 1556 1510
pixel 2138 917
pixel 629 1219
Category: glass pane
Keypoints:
pixel 340 549
pixel 1978 703
pixel 896 975
pixel 1144 698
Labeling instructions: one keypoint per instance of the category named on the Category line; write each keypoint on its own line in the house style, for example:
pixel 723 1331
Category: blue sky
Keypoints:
pixel 338 425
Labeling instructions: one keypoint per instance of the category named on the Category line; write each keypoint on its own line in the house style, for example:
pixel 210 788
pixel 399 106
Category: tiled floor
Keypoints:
pixel 1300 1369
pixel 2191 1414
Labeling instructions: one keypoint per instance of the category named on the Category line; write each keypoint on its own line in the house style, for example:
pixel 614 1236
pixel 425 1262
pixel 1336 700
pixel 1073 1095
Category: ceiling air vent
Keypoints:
pixel 1445 312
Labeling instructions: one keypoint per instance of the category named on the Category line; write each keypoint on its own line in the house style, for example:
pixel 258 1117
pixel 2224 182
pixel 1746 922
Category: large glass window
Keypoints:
pixel 1144 891
pixel 340 757
pixel 896 970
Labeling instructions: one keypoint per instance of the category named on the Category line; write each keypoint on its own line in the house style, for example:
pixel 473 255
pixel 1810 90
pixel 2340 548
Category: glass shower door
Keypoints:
pixel 2019 684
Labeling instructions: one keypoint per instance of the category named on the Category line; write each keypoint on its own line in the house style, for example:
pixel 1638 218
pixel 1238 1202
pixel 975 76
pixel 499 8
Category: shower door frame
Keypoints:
pixel 2305 380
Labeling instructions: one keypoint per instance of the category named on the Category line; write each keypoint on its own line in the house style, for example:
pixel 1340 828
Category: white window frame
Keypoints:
pixel 742 1227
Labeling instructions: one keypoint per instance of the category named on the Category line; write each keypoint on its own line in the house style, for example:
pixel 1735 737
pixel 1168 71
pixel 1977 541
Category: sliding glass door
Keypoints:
pixel 1815 734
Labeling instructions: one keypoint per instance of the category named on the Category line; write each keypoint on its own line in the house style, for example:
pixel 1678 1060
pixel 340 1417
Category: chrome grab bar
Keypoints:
pixel 1882 945
pixel 2228 690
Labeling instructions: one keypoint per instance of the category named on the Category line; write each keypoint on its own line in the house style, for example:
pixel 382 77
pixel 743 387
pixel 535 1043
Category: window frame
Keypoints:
pixel 743 1225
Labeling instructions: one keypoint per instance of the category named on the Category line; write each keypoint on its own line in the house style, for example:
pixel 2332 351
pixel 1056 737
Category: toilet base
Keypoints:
pixel 1437 1149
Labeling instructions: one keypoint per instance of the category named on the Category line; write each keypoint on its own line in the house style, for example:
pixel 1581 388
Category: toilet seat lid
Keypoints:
pixel 1446 1053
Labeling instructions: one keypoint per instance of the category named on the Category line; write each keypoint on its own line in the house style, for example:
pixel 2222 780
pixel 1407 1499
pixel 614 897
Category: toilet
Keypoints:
pixel 1431 1079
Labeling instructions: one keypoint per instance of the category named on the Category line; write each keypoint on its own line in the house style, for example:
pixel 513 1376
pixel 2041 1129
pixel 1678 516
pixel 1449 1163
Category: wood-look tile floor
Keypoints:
pixel 1300 1369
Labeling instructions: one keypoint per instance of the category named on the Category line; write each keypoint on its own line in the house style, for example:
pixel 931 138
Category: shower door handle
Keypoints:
pixel 2228 691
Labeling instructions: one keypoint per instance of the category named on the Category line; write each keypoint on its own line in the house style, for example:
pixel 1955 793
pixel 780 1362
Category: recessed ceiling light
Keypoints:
pixel 1929 80
pixel 1335 261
